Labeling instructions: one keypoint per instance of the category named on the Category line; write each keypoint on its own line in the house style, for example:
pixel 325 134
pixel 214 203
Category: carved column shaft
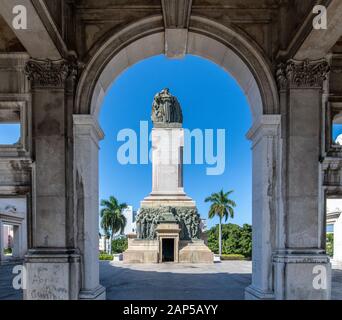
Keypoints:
pixel 87 135
pixel 300 86
pixel 265 147
pixel 53 242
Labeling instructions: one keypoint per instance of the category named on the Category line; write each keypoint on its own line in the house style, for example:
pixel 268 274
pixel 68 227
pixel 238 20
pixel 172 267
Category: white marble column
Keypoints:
pixel 87 135
pixel 265 146
pixel 52 262
pixel 301 262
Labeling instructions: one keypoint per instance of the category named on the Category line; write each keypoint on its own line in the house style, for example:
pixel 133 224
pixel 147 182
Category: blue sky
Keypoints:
pixel 337 130
pixel 9 133
pixel 210 99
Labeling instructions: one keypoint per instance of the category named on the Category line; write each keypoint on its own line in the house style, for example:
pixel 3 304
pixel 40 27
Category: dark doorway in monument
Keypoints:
pixel 168 250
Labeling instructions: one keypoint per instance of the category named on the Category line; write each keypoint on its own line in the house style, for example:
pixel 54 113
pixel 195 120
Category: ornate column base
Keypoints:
pixel 98 293
pixel 252 293
pixel 52 274
pixel 302 274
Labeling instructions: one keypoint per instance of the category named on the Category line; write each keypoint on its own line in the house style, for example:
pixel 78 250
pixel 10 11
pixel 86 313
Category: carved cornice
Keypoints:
pixel 332 172
pixel 302 74
pixel 49 73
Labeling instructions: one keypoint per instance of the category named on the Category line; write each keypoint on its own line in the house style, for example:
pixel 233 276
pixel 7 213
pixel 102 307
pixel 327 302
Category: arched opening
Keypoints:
pixel 240 59
pixel 198 45
pixel 214 108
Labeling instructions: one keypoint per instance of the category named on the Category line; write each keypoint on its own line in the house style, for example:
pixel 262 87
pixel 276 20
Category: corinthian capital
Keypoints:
pixel 49 73
pixel 302 74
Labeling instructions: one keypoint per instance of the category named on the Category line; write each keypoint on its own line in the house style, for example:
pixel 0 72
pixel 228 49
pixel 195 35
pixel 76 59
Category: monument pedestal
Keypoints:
pixel 195 251
pixel 142 251
pixel 151 251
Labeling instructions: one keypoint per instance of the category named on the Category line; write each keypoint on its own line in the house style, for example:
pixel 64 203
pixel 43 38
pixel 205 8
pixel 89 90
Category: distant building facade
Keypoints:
pixel 334 225
pixel 13 229
pixel 204 225
pixel 104 244
pixel 130 216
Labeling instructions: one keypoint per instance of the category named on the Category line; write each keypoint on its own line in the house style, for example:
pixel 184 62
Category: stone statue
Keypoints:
pixel 187 218
pixel 166 109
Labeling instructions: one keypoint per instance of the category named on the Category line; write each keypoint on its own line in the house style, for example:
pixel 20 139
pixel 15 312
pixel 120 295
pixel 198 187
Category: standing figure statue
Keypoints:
pixel 149 219
pixel 195 222
pixel 188 222
pixel 166 109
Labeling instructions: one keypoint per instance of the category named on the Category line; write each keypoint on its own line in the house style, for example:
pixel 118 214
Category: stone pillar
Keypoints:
pixel 167 169
pixel 266 143
pixel 52 261
pixel 2 258
pixel 167 160
pixel 87 135
pixel 17 241
pixel 302 259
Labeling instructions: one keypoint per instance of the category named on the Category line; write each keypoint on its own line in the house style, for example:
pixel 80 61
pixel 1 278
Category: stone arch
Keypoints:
pixel 239 56
pixel 235 53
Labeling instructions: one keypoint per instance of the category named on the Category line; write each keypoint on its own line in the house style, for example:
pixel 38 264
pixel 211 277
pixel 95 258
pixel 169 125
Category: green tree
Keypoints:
pixel 235 239
pixel 112 219
pixel 231 235
pixel 330 244
pixel 223 207
pixel 119 245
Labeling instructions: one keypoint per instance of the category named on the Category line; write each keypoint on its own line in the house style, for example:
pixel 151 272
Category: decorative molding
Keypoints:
pixel 266 126
pixel 87 125
pixel 50 73
pixel 176 13
pixel 16 111
pixel 302 74
pixel 315 257
pixel 332 172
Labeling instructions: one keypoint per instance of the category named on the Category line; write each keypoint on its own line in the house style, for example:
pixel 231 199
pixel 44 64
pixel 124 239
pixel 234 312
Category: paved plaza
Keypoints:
pixel 225 280
pixel 176 281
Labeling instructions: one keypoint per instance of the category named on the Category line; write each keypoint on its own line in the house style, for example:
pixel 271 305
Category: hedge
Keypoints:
pixel 105 256
pixel 233 257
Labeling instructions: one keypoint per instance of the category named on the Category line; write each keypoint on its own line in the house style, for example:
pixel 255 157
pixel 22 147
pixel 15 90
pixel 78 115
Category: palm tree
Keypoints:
pixel 223 207
pixel 112 219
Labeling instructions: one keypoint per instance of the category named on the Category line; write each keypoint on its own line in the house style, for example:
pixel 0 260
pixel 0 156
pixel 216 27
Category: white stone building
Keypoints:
pixel 130 215
pixel 334 225
pixel 104 244
pixel 204 225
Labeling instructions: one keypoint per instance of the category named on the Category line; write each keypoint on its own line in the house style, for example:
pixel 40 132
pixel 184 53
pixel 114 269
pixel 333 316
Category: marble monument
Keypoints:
pixel 168 223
